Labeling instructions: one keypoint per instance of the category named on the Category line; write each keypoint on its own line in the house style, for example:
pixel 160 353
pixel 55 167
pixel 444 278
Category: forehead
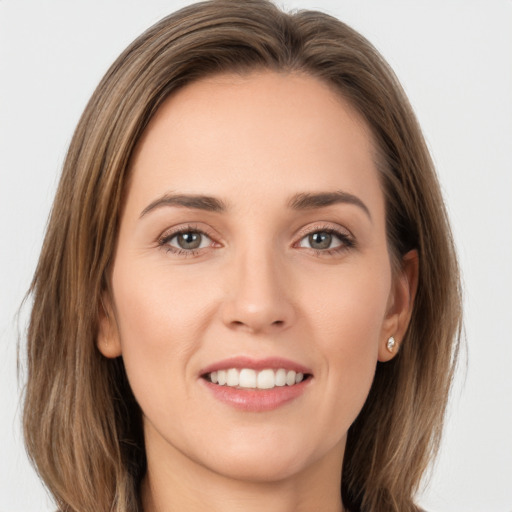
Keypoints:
pixel 264 132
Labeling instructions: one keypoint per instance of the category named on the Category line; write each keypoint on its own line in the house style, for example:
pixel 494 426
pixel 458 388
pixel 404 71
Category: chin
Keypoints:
pixel 270 458
pixel 260 469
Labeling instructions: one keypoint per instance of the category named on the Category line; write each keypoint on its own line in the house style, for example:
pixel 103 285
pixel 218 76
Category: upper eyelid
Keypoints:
pixel 163 241
pixel 324 226
pixel 184 228
pixel 212 234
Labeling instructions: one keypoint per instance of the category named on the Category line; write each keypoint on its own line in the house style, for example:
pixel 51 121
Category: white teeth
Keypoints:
pixel 290 378
pixel 281 377
pixel 232 377
pixel 266 379
pixel 249 378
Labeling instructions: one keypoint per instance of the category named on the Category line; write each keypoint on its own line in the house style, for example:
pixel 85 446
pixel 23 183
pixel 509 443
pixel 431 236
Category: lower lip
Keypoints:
pixel 257 400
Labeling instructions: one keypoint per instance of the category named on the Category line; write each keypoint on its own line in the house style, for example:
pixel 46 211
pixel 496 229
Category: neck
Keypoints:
pixel 174 482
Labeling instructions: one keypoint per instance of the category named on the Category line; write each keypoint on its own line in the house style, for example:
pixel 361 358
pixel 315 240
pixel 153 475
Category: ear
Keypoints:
pixel 108 341
pixel 400 306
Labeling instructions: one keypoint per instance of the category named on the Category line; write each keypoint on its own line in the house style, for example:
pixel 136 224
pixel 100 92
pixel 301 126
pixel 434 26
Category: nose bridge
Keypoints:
pixel 258 300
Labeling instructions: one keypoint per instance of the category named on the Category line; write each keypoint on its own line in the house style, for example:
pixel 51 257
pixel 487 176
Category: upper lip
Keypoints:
pixel 255 364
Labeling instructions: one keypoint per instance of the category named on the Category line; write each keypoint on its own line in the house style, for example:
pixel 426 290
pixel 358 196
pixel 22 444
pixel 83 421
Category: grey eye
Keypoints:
pixel 321 240
pixel 190 240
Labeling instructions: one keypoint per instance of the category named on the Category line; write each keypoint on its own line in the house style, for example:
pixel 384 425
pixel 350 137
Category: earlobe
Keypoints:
pixel 388 349
pixel 107 340
pixel 401 306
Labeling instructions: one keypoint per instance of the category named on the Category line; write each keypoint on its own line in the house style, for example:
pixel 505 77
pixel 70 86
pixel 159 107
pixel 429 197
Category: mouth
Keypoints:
pixel 257 385
pixel 249 378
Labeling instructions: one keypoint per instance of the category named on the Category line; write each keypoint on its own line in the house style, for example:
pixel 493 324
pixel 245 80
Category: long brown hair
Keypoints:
pixel 82 425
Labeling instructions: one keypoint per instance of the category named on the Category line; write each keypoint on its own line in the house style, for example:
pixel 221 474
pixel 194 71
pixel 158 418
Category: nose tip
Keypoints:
pixel 256 320
pixel 259 300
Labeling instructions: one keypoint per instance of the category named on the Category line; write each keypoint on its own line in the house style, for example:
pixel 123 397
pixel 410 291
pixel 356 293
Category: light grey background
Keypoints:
pixel 454 59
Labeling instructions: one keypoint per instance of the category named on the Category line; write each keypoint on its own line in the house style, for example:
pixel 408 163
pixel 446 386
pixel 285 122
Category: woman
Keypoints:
pixel 248 294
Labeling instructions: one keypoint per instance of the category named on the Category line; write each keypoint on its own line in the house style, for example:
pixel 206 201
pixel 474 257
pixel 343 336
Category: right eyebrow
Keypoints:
pixel 199 202
pixel 305 200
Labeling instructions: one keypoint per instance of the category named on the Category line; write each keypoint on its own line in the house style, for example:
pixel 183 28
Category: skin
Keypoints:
pixel 255 288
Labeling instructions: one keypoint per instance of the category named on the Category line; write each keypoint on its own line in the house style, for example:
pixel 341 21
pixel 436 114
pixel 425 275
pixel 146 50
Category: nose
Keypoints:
pixel 258 299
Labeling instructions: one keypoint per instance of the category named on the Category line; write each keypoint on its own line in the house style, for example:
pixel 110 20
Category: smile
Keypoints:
pixel 256 385
pixel 248 378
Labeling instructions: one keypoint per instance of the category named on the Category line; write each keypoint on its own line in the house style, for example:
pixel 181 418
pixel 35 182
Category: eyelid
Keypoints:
pixel 170 233
pixel 184 228
pixel 345 236
pixel 323 226
pixel 347 239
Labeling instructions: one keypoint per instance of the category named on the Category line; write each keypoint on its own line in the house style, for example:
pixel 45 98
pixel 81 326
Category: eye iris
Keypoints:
pixel 320 240
pixel 189 240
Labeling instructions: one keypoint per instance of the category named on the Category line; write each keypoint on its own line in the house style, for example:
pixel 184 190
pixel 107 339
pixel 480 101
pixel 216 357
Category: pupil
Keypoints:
pixel 189 240
pixel 320 240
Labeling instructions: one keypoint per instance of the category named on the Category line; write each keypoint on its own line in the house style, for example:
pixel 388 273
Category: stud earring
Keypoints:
pixel 391 344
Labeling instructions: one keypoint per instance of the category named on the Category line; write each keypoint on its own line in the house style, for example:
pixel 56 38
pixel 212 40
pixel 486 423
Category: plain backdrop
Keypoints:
pixel 454 59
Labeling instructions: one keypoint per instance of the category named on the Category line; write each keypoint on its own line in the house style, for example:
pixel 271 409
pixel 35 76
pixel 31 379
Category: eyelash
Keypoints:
pixel 164 240
pixel 347 241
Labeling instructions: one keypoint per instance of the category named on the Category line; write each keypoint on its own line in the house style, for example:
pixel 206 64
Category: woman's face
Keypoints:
pixel 252 249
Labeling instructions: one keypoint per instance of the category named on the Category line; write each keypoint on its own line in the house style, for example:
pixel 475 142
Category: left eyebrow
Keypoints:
pixel 306 201
pixel 195 201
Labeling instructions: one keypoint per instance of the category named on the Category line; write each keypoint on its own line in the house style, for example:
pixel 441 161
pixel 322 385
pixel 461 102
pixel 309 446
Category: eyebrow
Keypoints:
pixel 199 202
pixel 306 201
pixel 300 201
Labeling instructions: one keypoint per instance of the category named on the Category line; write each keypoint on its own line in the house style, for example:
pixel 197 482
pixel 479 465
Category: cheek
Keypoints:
pixel 350 305
pixel 348 319
pixel 160 320
pixel 154 303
